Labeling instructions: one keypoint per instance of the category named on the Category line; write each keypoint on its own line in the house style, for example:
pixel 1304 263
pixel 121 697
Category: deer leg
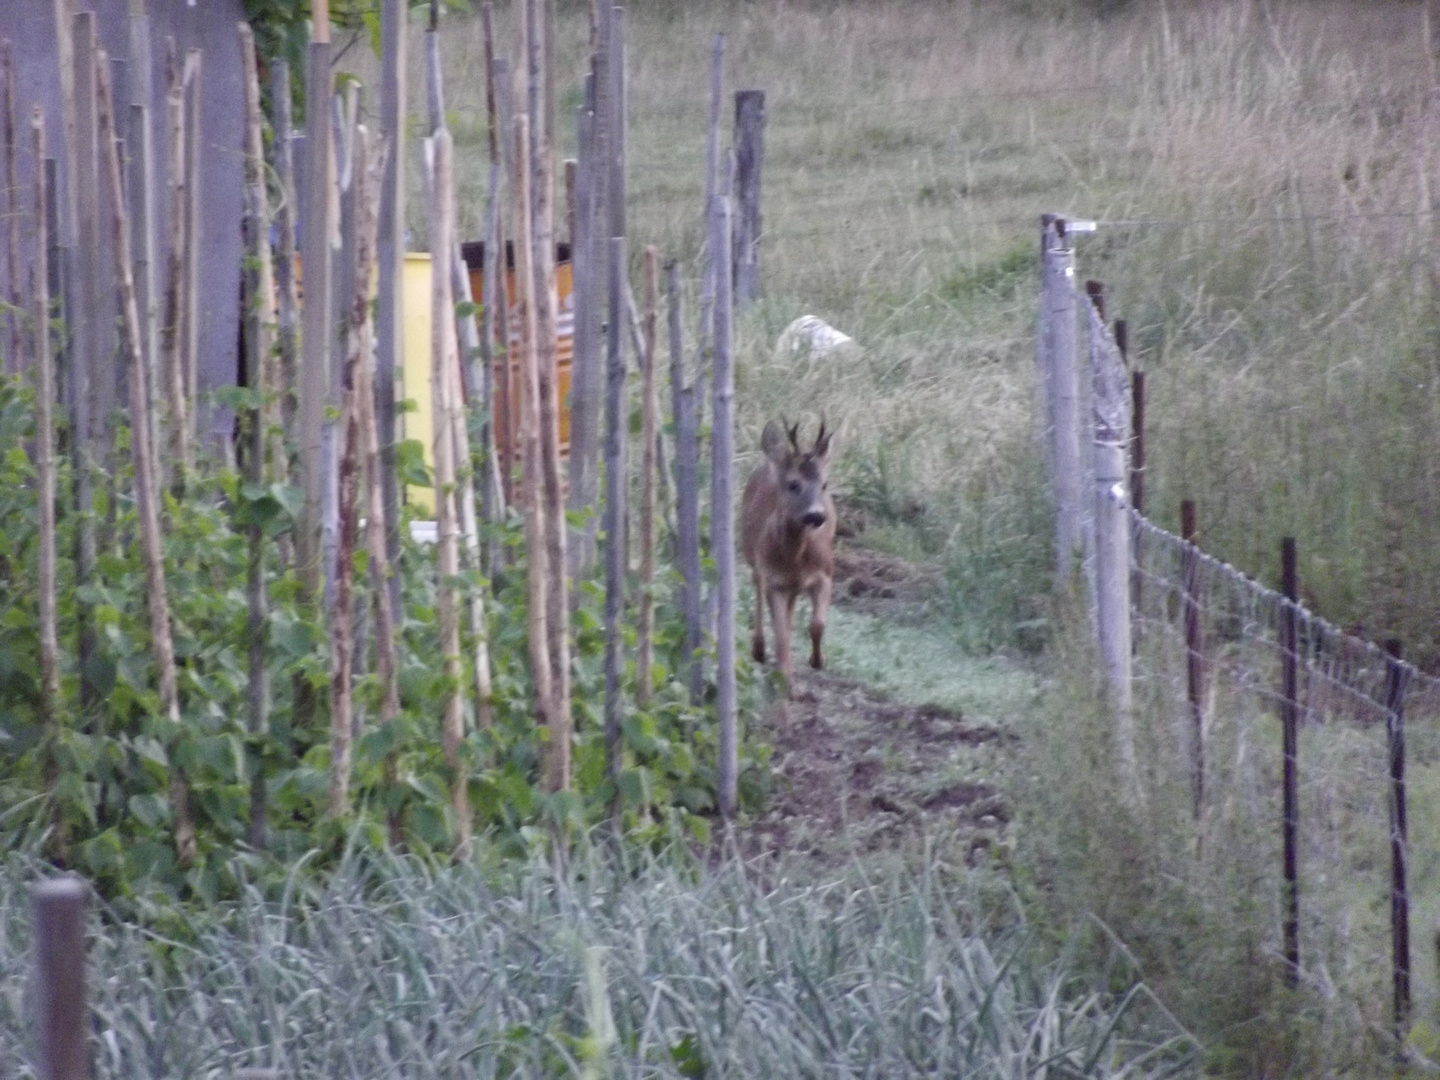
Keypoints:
pixel 819 608
pixel 782 610
pixel 757 638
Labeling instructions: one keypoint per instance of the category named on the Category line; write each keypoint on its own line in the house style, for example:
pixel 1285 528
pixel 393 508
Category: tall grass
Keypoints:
pixel 602 970
pixel 1279 282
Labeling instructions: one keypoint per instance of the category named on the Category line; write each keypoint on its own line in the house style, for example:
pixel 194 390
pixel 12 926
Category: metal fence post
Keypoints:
pixel 1395 684
pixel 1289 717
pixel 58 917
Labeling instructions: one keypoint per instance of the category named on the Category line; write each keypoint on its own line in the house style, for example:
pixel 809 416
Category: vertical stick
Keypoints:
pixel 541 667
pixel 9 153
pixel 45 453
pixel 348 450
pixel 144 180
pixel 687 489
pixel 722 512
pixel 492 488
pixel 588 269
pixel 57 914
pixel 146 496
pixel 1137 443
pixel 1289 715
pixel 444 360
pixel 172 348
pixel 319 222
pixel 749 156
pixel 704 344
pixel 194 218
pixel 619 122
pixel 572 179
pixel 1061 378
pixel 507 433
pixel 617 417
pixel 287 330
pixel 649 407
pixel 259 331
pixel 80 307
pixel 391 256
pixel 1396 679
pixel 1194 649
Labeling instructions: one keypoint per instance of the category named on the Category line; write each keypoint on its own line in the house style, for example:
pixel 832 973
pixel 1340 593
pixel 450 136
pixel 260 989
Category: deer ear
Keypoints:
pixel 772 441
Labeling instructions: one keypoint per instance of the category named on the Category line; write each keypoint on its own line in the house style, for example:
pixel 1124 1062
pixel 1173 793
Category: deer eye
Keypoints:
pixel 794 486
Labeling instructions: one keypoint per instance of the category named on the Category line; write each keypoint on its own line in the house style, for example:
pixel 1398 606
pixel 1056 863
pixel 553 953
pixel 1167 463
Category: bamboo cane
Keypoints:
pixel 722 512
pixel 145 489
pixel 259 309
pixel 172 366
pixel 616 433
pixel 190 283
pixel 12 205
pixel 530 437
pixel 287 330
pixel 687 490
pixel 45 469
pixel 391 256
pixel 649 408
pixel 444 359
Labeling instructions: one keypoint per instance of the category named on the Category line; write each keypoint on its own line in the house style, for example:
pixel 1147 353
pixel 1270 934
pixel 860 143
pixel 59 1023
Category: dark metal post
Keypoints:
pixel 1137 447
pixel 1194 646
pixel 1395 683
pixel 1289 716
pixel 58 917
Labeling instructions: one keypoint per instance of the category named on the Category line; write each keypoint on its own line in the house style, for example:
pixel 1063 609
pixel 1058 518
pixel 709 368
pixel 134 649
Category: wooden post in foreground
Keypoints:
pixel 57 913
pixel 722 511
pixel 749 156
pixel 9 154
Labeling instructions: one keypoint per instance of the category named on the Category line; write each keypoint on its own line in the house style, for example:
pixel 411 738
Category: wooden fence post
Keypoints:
pixel 1396 679
pixel 722 511
pixel 749 156
pixel 390 252
pixel 143 184
pixel 1289 721
pixel 194 217
pixel 649 408
pixel 705 337
pixel 1059 373
pixel 1111 511
pixel 1194 649
pixel 687 489
pixel 617 417
pixel 8 141
pixel 58 908
pixel 319 223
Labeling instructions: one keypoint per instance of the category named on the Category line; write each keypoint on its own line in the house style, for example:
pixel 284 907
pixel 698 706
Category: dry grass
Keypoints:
pixel 1280 294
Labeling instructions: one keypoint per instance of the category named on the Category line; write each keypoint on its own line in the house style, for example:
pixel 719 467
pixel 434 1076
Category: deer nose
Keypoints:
pixel 814 519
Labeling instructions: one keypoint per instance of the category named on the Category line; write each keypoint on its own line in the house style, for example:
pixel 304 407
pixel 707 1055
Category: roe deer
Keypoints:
pixel 788 536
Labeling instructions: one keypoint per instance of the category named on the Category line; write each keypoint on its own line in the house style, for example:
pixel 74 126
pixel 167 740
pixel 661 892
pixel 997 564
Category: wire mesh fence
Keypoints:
pixel 1212 647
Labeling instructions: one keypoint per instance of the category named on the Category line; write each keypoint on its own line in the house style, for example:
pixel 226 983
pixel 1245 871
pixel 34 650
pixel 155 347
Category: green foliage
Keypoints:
pixel 109 814
pixel 606 967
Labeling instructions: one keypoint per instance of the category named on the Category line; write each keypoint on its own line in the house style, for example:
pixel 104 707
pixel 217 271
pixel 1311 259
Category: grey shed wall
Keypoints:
pixel 208 25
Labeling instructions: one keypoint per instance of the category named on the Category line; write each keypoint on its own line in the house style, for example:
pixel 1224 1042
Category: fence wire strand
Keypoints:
pixel 1236 640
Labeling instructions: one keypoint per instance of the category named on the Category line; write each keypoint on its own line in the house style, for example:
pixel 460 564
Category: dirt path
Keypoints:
pixel 858 772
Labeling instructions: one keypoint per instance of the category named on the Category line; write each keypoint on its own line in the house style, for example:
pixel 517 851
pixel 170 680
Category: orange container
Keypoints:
pixel 507 412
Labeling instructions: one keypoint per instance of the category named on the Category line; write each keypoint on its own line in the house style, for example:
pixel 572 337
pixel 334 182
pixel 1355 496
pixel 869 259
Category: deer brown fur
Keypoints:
pixel 788 521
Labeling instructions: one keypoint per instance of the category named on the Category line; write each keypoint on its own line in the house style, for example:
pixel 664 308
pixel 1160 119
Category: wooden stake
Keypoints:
pixel 172 363
pixel 9 153
pixel 259 311
pixel 194 218
pixel 705 343
pixel 588 270
pixel 394 34
pixel 146 500
pixel 749 157
pixel 445 360
pixel 617 419
pixel 45 455
pixel 58 909
pixel 144 182
pixel 509 382
pixel 319 222
pixel 649 426
pixel 288 328
pixel 687 490
pixel 722 511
